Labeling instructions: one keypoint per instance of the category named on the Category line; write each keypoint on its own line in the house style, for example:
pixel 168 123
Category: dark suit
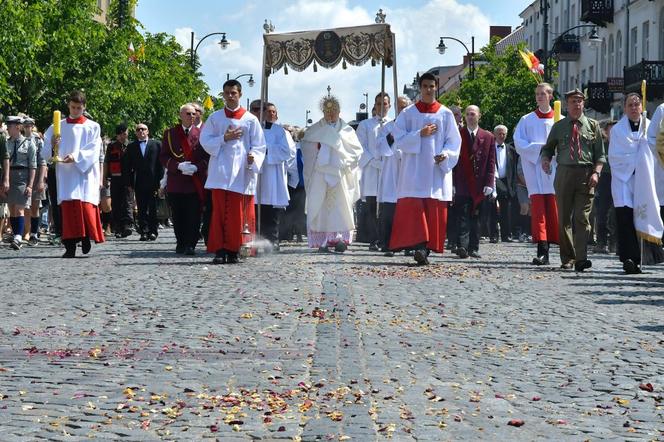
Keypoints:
pixel 501 213
pixel 144 173
pixel 469 190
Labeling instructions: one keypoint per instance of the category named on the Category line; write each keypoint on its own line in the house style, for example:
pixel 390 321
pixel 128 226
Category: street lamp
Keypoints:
pixel 442 48
pixel 307 121
pixel 223 43
pixel 250 82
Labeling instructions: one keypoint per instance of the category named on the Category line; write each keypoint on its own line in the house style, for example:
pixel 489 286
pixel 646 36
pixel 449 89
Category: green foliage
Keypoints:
pixel 503 88
pixel 50 47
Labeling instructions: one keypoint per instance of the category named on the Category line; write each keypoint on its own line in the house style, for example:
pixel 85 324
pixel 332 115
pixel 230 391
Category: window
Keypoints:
pixel 573 16
pixel 611 62
pixel 645 40
pixel 583 78
pixel 602 62
pixel 556 25
pixel 537 42
pixel 633 40
pixel 619 55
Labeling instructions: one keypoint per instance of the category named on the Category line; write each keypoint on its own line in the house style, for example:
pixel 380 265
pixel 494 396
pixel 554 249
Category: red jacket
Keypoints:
pixel 172 154
pixel 483 160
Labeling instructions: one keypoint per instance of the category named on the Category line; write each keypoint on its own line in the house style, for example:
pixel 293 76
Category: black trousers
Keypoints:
pixel 452 225
pixel 121 204
pixel 146 200
pixel 628 242
pixel 385 221
pixel 468 219
pixel 186 214
pixel 294 220
pixel 501 213
pixel 269 222
pixel 54 207
pixel 370 220
pixel 604 215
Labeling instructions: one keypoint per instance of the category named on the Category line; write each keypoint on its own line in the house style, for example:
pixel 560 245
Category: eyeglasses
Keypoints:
pixel 141 128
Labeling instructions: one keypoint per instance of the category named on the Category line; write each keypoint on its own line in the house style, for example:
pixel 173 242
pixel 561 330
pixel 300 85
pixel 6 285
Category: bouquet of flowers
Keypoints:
pixel 533 64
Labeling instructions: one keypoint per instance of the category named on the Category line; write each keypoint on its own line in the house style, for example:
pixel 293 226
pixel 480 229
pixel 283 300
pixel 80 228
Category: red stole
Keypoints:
pixel 427 108
pixel 79 120
pixel 466 164
pixel 187 151
pixel 544 115
pixel 236 114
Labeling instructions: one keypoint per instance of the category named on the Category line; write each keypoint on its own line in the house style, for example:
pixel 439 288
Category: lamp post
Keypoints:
pixel 594 40
pixel 307 121
pixel 250 82
pixel 223 43
pixel 442 48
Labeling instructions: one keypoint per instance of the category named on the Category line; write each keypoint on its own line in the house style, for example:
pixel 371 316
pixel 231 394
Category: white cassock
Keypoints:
pixel 273 175
pixel 390 158
pixel 78 180
pixel 656 127
pixel 228 168
pixel 370 161
pixel 529 136
pixel 633 178
pixel 331 178
pixel 291 165
pixel 417 179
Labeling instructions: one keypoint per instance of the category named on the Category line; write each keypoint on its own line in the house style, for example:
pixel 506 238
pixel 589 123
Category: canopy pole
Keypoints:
pixel 394 77
pixel 264 78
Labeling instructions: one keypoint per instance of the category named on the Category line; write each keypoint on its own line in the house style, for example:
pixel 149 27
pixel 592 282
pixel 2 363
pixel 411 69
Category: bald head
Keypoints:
pixel 473 116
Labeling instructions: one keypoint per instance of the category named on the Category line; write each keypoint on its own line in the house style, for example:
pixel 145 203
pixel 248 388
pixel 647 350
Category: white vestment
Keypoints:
pixel 656 127
pixel 331 179
pixel 228 168
pixel 273 176
pixel 78 180
pixel 370 161
pixel 529 136
pixel 419 176
pixel 390 158
pixel 633 178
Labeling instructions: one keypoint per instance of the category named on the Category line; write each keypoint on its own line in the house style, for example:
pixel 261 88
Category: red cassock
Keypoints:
pixel 544 218
pixel 419 221
pixel 81 219
pixel 231 213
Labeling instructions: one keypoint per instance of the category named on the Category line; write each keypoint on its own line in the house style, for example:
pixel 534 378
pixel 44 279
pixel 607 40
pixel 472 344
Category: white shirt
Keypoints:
pixel 530 135
pixel 273 184
pixel 143 144
pixel 390 158
pixel 78 180
pixel 419 176
pixel 501 160
pixel 228 168
pixel 623 150
pixel 370 161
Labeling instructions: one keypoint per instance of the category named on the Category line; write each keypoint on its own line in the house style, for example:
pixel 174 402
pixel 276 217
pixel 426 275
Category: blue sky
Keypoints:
pixel 417 24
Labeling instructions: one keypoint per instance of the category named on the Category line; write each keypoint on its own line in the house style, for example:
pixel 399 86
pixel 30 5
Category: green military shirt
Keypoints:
pixel 3 150
pixel 590 137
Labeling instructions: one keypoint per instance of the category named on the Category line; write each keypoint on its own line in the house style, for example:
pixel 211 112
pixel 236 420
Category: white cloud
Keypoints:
pixel 417 31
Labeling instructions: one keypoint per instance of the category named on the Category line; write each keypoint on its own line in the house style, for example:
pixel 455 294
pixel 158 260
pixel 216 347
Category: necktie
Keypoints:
pixel 186 132
pixel 575 141
pixel 472 138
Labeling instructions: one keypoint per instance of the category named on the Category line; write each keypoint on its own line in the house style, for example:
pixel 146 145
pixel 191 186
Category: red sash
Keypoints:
pixel 187 150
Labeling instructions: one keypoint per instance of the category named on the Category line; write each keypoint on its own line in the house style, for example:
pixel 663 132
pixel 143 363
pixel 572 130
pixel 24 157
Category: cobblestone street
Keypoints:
pixel 139 343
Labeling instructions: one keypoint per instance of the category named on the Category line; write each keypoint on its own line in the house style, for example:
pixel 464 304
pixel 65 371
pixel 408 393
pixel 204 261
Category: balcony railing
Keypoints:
pixel 567 48
pixel 652 72
pixel 599 97
pixel 599 12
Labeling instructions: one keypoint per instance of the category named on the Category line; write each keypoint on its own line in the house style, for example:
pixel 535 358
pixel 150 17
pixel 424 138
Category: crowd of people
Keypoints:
pixel 429 180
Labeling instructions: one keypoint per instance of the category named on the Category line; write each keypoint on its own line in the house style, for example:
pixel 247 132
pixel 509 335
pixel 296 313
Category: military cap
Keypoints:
pixel 28 120
pixel 14 120
pixel 575 92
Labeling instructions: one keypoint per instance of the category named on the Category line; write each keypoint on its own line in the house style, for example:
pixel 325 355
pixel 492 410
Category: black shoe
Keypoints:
pixel 341 247
pixel 179 250
pixel 408 253
pixel 125 233
pixel 220 257
pixel 507 240
pixel 631 268
pixel 16 244
pixel 69 254
pixel 463 254
pixel 474 254
pixel 143 237
pixel 119 235
pixel 232 258
pixel 541 260
pixel 567 265
pixel 421 257
pixel 189 251
pixel 152 237
pixel 70 247
pixel 454 250
pixel 583 264
pixel 373 247
pixel 493 240
pixel 324 249
pixel 86 245
pixel 388 253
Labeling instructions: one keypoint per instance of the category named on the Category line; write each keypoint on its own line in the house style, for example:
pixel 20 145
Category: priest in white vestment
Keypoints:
pixel 331 152
pixel 78 176
pixel 633 188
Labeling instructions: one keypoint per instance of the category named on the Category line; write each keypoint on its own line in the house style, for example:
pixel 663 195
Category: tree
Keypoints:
pixel 51 47
pixel 503 88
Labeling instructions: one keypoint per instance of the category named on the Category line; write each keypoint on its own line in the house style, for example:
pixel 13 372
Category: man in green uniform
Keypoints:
pixel 577 143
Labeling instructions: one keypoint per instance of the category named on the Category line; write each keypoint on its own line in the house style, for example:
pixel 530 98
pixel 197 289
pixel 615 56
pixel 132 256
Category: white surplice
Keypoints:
pixel 331 178
pixel 370 161
pixel 273 185
pixel 390 158
pixel 228 168
pixel 529 136
pixel 655 128
pixel 419 176
pixel 78 180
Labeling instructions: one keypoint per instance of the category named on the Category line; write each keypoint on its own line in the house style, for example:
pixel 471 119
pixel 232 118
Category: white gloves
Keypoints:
pixel 487 191
pixel 187 168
